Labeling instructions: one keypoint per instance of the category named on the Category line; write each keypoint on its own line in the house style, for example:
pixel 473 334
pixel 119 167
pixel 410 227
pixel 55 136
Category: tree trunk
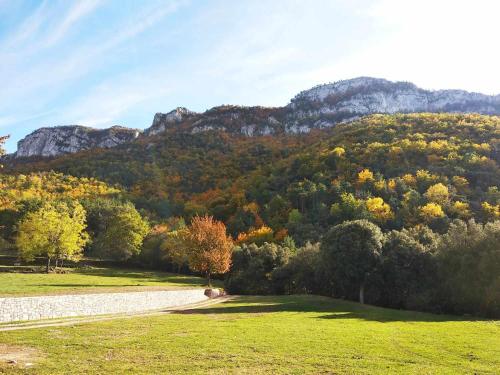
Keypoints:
pixel 62 262
pixel 362 292
pixel 208 279
pixel 57 262
pixel 48 265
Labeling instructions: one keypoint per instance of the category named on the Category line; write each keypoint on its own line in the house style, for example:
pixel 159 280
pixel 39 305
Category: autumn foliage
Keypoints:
pixel 210 248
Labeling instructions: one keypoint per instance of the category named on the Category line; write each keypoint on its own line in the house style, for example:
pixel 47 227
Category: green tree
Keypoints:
pixel 406 269
pixel 469 263
pixel 121 232
pixel 252 267
pixel 55 231
pixel 175 247
pixel 351 252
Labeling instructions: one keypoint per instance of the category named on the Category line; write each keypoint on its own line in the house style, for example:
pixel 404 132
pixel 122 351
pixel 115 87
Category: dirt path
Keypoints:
pixel 99 318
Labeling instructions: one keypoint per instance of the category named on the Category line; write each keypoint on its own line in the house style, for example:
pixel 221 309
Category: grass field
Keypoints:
pixel 90 280
pixel 262 335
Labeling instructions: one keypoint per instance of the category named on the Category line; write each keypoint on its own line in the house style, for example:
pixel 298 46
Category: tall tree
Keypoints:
pixel 121 232
pixel 210 246
pixel 55 231
pixel 351 251
pixel 2 141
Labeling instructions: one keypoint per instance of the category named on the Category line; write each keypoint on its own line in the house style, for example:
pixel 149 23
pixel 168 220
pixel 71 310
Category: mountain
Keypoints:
pixel 325 105
pixel 72 138
pixel 318 108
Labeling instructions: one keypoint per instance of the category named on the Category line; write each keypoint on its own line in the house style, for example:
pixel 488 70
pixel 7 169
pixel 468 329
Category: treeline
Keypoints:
pixel 457 272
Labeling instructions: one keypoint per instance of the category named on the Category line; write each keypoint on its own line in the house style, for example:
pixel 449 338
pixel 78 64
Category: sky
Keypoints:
pixel 106 62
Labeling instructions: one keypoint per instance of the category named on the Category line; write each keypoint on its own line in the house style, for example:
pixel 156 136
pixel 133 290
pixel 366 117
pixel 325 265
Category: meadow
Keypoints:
pixel 261 335
pixel 15 281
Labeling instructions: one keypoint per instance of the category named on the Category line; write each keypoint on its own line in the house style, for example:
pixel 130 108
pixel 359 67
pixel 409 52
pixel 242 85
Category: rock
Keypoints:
pixel 72 138
pixel 162 121
pixel 321 107
pixel 346 100
pixel 214 292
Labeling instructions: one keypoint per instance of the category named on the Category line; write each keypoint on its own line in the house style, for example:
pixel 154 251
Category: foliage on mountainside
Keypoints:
pixel 175 173
pixel 395 170
pixel 25 193
pixel 49 186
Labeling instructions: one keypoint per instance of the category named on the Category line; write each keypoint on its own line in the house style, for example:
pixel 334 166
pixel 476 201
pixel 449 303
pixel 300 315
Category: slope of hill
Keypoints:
pixel 380 167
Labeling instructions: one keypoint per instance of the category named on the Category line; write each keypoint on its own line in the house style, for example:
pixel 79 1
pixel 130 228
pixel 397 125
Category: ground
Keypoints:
pixel 262 335
pixel 90 279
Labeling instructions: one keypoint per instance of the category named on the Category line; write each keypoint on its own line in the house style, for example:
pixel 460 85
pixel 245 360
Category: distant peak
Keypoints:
pixel 162 120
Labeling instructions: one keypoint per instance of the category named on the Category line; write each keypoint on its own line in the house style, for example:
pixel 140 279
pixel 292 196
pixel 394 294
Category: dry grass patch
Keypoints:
pixel 18 356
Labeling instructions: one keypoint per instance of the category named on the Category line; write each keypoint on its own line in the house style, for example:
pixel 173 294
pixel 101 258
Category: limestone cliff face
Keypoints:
pixel 53 141
pixel 326 105
pixel 320 107
pixel 162 121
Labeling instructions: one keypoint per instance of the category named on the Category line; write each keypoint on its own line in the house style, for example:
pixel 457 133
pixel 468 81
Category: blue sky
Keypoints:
pixel 105 62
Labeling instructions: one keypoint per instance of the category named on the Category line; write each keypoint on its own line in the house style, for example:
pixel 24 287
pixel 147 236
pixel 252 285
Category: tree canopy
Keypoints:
pixel 55 231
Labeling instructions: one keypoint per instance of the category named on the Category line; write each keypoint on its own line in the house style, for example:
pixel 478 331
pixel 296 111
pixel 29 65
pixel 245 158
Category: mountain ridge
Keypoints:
pixel 322 106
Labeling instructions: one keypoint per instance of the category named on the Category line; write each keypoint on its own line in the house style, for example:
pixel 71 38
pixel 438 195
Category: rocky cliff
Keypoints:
pixel 53 141
pixel 162 121
pixel 320 107
pixel 326 105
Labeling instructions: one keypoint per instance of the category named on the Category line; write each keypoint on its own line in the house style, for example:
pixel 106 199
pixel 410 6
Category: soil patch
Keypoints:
pixel 18 356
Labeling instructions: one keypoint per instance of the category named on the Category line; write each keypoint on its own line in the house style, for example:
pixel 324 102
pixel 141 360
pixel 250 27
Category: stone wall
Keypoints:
pixel 58 306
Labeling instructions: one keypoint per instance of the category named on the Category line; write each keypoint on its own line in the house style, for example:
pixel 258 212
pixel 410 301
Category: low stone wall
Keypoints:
pixel 45 307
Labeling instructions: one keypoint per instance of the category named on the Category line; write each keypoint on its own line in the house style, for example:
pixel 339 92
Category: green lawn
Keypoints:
pixel 90 280
pixel 263 335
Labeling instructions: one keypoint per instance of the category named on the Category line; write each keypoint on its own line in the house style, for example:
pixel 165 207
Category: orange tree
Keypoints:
pixel 210 248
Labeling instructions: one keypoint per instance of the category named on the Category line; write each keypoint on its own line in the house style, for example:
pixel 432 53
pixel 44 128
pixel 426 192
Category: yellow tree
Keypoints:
pixel 460 209
pixel 365 176
pixel 437 193
pixel 431 211
pixel 257 236
pixel 491 211
pixel 55 231
pixel 380 210
pixel 210 248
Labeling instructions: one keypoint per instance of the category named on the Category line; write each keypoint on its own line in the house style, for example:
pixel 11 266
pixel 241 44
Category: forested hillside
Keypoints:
pixel 396 170
pixel 402 207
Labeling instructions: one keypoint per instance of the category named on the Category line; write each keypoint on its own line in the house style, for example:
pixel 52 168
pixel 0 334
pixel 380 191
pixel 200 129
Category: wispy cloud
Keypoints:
pixel 101 62
pixel 54 74
pixel 77 12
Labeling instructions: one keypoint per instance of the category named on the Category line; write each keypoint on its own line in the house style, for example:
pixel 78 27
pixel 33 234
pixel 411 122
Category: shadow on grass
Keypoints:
pixel 87 285
pixel 327 308
pixel 146 276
